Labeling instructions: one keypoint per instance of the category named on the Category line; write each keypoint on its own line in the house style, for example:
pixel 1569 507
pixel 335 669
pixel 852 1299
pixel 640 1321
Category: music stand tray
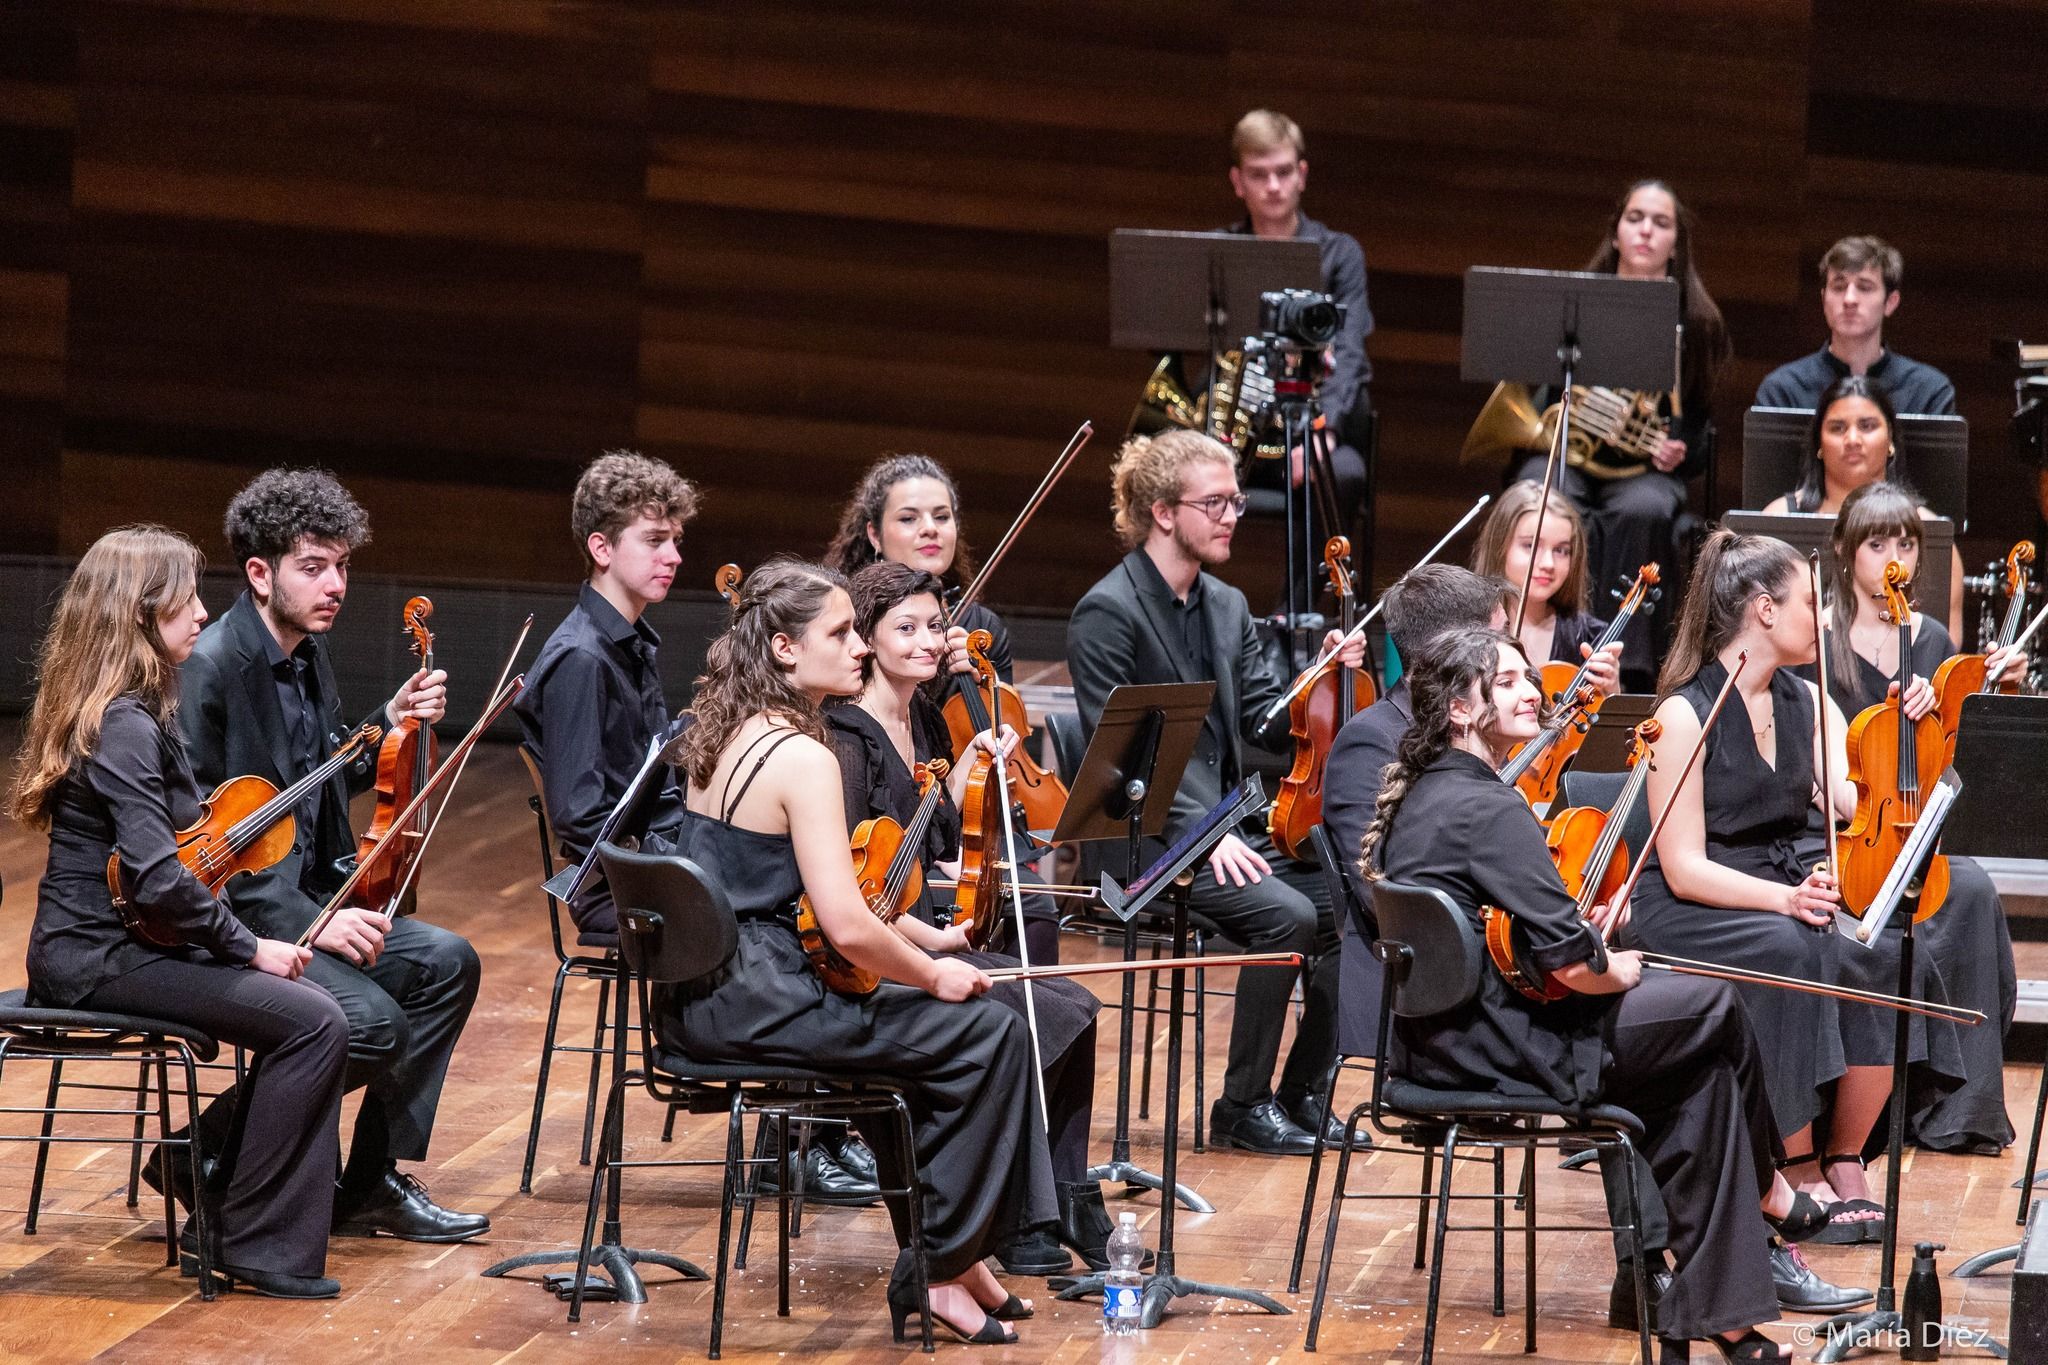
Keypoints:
pixel 1605 747
pixel 1551 327
pixel 1807 532
pixel 1162 285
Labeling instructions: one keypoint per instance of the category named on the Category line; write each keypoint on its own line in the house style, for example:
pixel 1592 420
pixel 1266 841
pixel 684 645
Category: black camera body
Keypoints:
pixel 1299 318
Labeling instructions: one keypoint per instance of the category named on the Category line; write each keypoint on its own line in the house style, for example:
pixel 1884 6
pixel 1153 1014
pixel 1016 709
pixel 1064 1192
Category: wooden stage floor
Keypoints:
pixel 92 1283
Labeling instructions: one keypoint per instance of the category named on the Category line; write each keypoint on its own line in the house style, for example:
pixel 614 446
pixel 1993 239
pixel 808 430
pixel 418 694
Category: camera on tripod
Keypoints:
pixel 1298 319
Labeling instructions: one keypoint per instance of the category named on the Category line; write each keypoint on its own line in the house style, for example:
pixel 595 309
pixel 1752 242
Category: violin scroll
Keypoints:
pixel 727 583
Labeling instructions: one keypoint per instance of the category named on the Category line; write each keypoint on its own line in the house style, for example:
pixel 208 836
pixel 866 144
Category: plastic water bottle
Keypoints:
pixel 1125 1283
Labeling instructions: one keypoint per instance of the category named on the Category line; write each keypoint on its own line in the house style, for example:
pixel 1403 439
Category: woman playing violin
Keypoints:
pixel 1556 626
pixel 102 768
pixel 763 814
pixel 1958 1079
pixel 889 728
pixel 1677 1050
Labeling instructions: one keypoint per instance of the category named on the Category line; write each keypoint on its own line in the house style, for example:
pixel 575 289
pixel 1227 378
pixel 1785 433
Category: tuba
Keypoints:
pixel 1614 432
pixel 1237 403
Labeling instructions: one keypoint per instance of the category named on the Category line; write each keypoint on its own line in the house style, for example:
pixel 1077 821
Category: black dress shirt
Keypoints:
pixel 1912 386
pixel 1191 613
pixel 133 793
pixel 592 703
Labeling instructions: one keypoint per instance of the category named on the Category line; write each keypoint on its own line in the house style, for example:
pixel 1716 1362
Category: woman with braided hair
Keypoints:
pixel 1679 1049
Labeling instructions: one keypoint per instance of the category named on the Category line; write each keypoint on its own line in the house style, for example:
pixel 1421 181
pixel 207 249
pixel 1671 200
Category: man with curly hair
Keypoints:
pixel 1161 617
pixel 593 697
pixel 259 696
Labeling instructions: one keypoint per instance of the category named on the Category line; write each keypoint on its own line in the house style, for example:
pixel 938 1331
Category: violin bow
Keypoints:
pixel 1657 827
pixel 1827 748
pixel 1031 504
pixel 1162 964
pixel 1000 762
pixel 434 824
pixel 497 708
pixel 1550 465
pixel 1357 630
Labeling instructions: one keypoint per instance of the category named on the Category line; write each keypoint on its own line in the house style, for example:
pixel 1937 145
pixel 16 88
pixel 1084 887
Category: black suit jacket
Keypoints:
pixel 1125 631
pixel 233 726
pixel 1359 756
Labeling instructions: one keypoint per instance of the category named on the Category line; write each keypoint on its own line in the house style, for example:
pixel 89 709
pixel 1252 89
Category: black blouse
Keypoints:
pixel 133 793
pixel 875 781
pixel 1581 628
pixel 1462 831
pixel 1866 686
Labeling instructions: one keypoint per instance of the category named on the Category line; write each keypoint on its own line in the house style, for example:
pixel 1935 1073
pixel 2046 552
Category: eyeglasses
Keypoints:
pixel 1216 504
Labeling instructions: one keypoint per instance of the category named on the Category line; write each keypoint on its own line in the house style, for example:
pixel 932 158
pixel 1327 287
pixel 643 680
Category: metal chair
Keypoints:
pixel 1434 958
pixel 677 927
pixel 56 1036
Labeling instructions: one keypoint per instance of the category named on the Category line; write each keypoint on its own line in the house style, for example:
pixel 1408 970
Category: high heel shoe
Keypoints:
pixel 1806 1219
pixel 1751 1348
pixel 991 1332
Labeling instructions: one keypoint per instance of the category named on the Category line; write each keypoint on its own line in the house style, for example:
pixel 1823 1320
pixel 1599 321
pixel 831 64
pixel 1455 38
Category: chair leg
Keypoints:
pixel 735 1124
pixel 1308 1191
pixel 1500 1175
pixel 1436 1254
pixel 608 1151
pixel 597 1056
pixel 163 1111
pixel 920 1266
pixel 141 1125
pixel 1337 1184
pixel 792 1177
pixel 35 1185
pixel 668 1125
pixel 799 1182
pixel 753 1186
pixel 1529 1251
pixel 1422 1207
pixel 202 1196
pixel 1635 1229
pixel 540 1085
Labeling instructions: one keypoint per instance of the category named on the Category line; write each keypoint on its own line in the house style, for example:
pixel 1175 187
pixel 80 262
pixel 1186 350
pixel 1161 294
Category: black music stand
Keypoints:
pixel 1932 456
pixel 1882 1325
pixel 1556 328
pixel 1998 818
pixel 1605 747
pixel 1124 790
pixel 1813 532
pixel 1175 872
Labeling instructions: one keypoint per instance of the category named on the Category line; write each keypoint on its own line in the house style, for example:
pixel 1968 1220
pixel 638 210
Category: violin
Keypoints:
pixel 245 825
pixel 1538 779
pixel 404 762
pixel 888 866
pixel 981 887
pixel 1315 715
pixel 1964 674
pixel 1891 761
pixel 1037 795
pixel 1592 857
pixel 727 583
pixel 1573 712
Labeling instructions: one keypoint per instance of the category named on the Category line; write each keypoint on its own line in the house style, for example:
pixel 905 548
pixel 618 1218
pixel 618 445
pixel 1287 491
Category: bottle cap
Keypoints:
pixel 1130 1219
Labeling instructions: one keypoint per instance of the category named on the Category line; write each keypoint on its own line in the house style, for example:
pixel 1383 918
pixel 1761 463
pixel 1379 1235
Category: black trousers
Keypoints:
pixel 277 1147
pixel 1629 523
pixel 404 1014
pixel 1288 911
pixel 1685 1062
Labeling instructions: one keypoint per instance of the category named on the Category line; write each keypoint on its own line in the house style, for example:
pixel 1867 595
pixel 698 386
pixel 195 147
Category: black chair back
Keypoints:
pixel 675 923
pixel 1601 791
pixel 1064 729
pixel 1440 969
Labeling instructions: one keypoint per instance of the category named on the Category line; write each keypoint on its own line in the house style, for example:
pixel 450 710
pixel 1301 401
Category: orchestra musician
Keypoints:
pixel 880 737
pixel 102 768
pixel 1734 879
pixel 1956 1099
pixel 1854 441
pixel 1556 626
pixel 1161 616
pixel 593 699
pixel 765 816
pixel 906 510
pixel 1631 516
pixel 1859 279
pixel 1677 1051
pixel 259 696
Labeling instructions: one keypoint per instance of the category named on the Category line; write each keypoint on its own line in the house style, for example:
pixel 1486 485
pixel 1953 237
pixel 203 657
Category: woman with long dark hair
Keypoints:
pixel 764 814
pixel 881 735
pixel 1676 1051
pixel 1631 508
pixel 102 768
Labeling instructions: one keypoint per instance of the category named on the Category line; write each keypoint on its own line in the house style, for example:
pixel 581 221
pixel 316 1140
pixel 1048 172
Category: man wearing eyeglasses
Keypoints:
pixel 1158 617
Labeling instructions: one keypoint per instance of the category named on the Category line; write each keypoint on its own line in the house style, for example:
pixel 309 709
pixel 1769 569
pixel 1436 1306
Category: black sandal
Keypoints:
pixel 1857 1231
pixel 1012 1309
pixel 1751 1346
pixel 1807 1219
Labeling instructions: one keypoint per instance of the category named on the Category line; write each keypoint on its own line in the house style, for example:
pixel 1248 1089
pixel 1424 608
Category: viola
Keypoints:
pixel 1963 675
pixel 1038 796
pixel 245 825
pixel 1317 712
pixel 1891 761
pixel 888 866
pixel 1538 778
pixel 982 885
pixel 404 762
pixel 1592 857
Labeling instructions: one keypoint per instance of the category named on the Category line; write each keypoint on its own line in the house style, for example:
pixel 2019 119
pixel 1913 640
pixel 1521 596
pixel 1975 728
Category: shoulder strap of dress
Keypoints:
pixel 782 735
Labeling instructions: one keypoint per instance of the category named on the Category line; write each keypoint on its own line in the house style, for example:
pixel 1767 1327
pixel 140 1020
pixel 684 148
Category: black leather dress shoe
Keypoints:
pixel 825 1181
pixel 857 1159
pixel 1621 1299
pixel 1802 1291
pixel 400 1207
pixel 1037 1252
pixel 1263 1128
pixel 1306 1112
pixel 270 1283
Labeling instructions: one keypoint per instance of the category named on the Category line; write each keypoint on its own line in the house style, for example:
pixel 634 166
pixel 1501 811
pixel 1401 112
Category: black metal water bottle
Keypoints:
pixel 1921 1316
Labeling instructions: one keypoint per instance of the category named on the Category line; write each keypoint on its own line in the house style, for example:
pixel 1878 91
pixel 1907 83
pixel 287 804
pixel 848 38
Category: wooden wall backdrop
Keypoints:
pixel 454 248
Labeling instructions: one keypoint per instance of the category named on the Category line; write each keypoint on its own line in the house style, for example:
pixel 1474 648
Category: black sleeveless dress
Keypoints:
pixel 1756 823
pixel 981 1154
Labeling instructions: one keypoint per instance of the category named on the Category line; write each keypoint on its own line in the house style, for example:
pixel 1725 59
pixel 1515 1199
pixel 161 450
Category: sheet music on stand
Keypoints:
pixel 1919 844
pixel 572 882
pixel 1126 901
